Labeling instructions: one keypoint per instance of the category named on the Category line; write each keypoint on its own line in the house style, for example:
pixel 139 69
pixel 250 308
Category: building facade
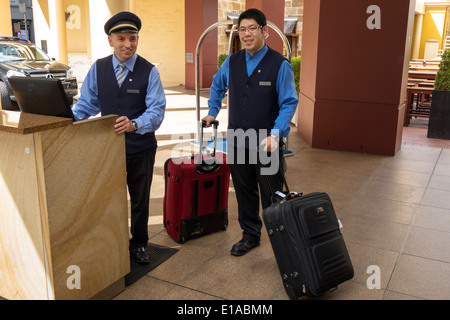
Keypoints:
pixel 72 30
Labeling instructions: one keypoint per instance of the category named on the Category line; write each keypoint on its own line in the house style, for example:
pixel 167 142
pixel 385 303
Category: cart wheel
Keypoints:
pixel 182 240
pixel 224 227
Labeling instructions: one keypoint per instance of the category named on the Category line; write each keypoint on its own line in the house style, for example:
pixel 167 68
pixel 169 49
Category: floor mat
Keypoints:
pixel 157 254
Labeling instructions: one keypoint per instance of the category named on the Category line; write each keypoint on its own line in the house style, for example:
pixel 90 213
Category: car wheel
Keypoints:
pixel 7 104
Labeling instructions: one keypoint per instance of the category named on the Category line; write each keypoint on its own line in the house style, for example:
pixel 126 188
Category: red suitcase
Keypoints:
pixel 196 194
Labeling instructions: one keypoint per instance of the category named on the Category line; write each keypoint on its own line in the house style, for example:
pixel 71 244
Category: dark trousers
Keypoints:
pixel 139 179
pixel 250 181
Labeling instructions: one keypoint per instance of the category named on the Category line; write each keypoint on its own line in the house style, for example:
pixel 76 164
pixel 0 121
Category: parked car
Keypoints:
pixel 22 58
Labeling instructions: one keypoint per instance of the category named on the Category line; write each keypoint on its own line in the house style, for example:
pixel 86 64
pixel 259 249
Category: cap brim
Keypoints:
pixel 123 28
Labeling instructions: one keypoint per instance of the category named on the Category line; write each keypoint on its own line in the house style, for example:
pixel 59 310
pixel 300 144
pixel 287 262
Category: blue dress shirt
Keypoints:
pixel 89 105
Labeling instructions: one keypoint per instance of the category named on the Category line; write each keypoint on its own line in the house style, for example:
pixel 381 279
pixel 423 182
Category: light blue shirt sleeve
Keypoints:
pixel 89 105
pixel 151 119
pixel 287 99
pixel 219 88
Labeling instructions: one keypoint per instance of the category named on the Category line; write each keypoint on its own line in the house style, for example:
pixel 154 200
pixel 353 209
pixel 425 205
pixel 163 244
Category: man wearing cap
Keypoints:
pixel 126 84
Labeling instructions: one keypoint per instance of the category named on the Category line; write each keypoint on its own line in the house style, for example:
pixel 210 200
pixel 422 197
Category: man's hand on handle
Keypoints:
pixel 208 120
pixel 270 143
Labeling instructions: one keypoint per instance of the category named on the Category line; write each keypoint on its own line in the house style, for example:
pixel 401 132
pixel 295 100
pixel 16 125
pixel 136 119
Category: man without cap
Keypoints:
pixel 263 100
pixel 126 84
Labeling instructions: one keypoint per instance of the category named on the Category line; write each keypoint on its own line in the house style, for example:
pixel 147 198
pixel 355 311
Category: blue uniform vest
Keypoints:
pixel 128 100
pixel 254 99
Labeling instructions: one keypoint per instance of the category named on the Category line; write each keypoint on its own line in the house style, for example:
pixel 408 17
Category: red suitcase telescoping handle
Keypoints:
pixel 211 164
pixel 215 124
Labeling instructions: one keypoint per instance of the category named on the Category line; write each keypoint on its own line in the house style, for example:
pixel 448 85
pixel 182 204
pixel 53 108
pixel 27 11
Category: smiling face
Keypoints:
pixel 252 41
pixel 124 44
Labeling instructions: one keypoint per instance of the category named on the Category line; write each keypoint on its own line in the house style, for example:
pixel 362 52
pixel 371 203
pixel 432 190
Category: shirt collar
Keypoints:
pixel 257 54
pixel 129 64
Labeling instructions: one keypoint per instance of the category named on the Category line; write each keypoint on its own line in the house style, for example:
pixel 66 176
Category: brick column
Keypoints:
pixel 354 74
pixel 200 14
pixel 274 12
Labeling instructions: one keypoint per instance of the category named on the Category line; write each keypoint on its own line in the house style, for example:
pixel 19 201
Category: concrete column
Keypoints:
pixel 354 71
pixel 200 14
pixel 274 12
pixel 99 13
pixel 5 19
pixel 417 35
pixel 58 29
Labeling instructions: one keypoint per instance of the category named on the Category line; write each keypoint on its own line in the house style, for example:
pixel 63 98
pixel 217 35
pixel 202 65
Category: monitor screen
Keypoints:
pixel 44 96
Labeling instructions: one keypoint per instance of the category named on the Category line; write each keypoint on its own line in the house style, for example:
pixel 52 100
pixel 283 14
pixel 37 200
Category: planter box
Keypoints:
pixel 439 123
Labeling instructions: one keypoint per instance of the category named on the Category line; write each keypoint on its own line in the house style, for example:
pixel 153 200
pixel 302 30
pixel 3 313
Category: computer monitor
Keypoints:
pixel 44 96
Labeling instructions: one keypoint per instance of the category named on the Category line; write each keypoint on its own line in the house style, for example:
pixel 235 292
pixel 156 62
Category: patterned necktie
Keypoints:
pixel 120 74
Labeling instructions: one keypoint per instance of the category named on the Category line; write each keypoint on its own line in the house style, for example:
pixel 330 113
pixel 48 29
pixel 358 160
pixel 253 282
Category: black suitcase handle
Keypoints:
pixel 215 123
pixel 284 195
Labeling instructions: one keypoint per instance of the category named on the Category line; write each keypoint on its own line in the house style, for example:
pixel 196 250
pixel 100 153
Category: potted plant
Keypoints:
pixel 221 59
pixel 439 122
pixel 296 62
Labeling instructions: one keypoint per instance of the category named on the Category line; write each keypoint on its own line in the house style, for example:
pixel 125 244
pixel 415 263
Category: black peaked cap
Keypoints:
pixel 123 22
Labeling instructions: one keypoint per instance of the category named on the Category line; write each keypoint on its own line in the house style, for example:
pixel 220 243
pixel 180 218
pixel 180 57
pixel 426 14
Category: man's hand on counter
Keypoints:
pixel 123 124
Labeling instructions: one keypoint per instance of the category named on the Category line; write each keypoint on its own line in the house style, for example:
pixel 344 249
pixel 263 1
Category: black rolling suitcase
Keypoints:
pixel 307 243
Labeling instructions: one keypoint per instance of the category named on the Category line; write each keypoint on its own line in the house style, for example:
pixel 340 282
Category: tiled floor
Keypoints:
pixel 395 213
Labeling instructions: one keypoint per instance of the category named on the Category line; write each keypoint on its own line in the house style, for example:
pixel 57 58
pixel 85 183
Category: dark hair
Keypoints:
pixel 253 14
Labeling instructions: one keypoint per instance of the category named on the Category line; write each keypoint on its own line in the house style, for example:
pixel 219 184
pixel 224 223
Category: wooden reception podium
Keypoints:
pixel 63 208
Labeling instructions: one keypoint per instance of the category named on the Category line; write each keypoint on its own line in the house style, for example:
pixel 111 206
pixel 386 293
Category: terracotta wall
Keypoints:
pixel 353 76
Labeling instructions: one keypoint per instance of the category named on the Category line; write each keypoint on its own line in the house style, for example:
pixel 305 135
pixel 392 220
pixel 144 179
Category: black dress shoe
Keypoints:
pixel 243 247
pixel 140 255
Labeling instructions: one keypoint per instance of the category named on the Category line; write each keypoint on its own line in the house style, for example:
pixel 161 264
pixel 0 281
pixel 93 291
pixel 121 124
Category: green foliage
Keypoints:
pixel 296 61
pixel 221 59
pixel 442 81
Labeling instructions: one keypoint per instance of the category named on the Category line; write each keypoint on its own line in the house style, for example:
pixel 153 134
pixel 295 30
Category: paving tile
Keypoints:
pixel 374 232
pixel 183 293
pixel 421 153
pixel 422 278
pixel 146 288
pixel 442 168
pixel 382 209
pixel 186 261
pixel 237 278
pixel 428 243
pixel 393 191
pixel 391 295
pixel 440 182
pixel 418 179
pixel 410 165
pixel 444 158
pixel 363 257
pixel 436 198
pixel 433 218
